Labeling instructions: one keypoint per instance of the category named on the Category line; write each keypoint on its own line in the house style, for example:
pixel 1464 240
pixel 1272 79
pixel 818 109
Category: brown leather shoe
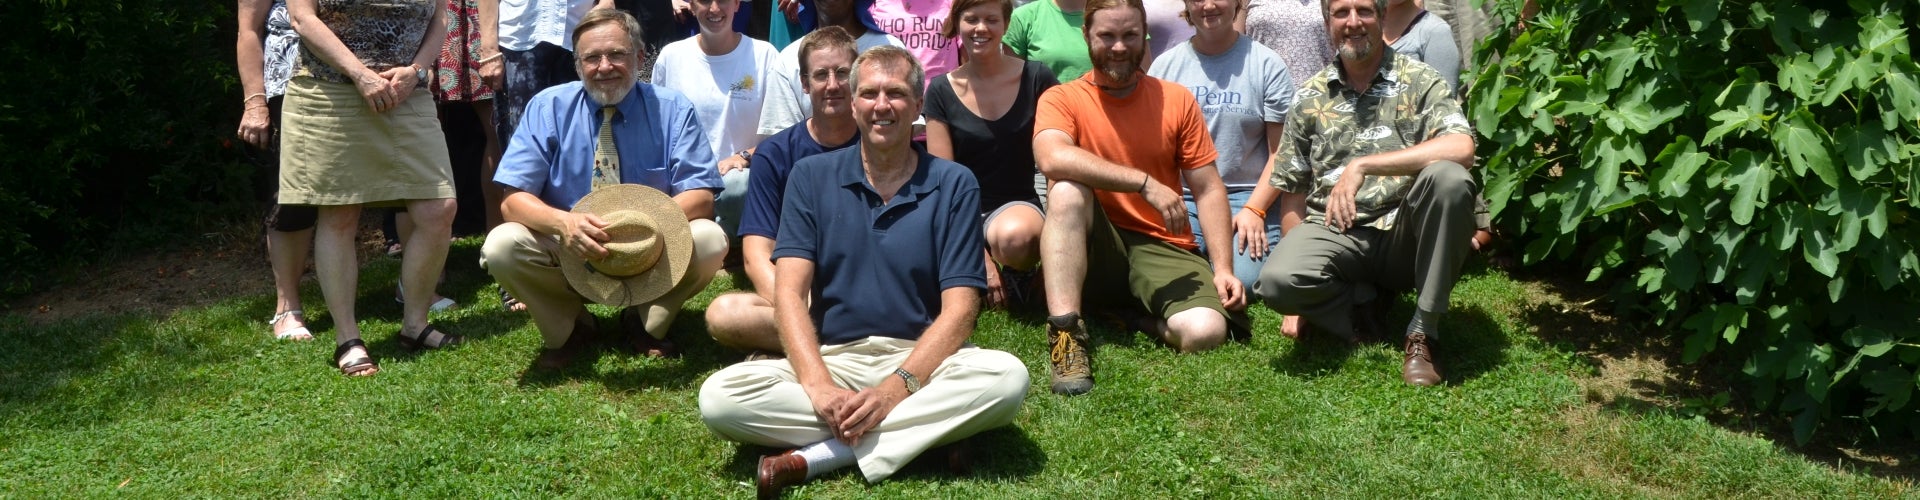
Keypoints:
pixel 777 472
pixel 1418 368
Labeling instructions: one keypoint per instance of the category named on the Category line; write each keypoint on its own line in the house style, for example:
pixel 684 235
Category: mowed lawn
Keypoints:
pixel 205 403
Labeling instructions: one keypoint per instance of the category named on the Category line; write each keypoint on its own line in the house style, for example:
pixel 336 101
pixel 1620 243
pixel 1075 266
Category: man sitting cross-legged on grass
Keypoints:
pixel 745 320
pixel 886 239
pixel 578 137
pixel 1374 160
pixel 1118 145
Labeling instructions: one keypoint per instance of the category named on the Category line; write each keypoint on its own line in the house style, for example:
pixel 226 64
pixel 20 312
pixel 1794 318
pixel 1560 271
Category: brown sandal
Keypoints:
pixel 425 340
pixel 357 365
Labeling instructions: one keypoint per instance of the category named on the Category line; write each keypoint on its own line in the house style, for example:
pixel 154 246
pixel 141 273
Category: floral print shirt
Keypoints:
pixel 283 46
pixel 1407 103
pixel 1297 29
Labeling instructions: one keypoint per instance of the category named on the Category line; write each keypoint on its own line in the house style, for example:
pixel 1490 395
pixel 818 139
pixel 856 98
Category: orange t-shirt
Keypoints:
pixel 1157 129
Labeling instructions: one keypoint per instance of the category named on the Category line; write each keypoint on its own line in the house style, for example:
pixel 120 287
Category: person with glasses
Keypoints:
pixel 606 129
pixel 745 320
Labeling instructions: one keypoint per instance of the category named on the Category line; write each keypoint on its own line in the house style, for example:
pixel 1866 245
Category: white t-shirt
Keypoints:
pixel 525 23
pixel 786 101
pixel 727 90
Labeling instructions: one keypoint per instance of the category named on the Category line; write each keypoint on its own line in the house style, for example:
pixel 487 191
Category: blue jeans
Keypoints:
pixel 1245 267
pixel 731 201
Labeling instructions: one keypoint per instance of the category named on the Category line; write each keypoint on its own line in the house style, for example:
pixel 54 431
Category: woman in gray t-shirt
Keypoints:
pixel 1422 35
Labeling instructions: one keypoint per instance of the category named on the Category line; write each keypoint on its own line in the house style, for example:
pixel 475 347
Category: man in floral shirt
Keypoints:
pixel 1376 194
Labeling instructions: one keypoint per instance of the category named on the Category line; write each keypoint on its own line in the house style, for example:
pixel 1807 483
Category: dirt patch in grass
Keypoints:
pixel 207 270
pixel 1639 369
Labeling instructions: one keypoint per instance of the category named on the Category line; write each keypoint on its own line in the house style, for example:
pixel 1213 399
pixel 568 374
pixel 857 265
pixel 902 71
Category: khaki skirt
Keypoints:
pixel 335 150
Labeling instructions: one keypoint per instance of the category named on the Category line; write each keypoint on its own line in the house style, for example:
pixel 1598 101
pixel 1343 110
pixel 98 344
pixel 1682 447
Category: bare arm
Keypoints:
pixel 959 307
pixel 492 65
pixel 697 203
pixel 379 93
pixel 798 335
pixel 1210 197
pixel 1250 223
pixel 1457 148
pixel 939 140
pixel 756 255
pixel 248 50
pixel 581 234
pixel 1060 159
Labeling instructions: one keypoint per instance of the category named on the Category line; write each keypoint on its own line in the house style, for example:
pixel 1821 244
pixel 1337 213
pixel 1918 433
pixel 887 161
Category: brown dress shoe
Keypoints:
pixel 1418 368
pixel 777 472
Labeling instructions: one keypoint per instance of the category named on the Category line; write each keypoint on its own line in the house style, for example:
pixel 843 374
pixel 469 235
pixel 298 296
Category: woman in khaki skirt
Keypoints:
pixel 359 128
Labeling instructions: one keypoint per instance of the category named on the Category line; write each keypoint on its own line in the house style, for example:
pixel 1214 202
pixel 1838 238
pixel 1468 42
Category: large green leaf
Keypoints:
pixel 1818 250
pixel 1806 146
pixel 1893 385
pixel 1649 104
pixel 1749 174
pixel 1864 150
pixel 1678 162
pixel 1617 56
pixel 1903 89
pixel 1701 13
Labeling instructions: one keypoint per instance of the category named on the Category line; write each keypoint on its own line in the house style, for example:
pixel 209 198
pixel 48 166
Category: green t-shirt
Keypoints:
pixel 1040 32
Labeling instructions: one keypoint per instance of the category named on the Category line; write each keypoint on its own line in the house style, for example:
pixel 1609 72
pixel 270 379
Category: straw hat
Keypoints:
pixel 649 246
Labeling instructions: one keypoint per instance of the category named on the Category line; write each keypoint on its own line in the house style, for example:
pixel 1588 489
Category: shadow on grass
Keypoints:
pixel 1471 344
pixel 1639 370
pixel 699 356
pixel 1004 454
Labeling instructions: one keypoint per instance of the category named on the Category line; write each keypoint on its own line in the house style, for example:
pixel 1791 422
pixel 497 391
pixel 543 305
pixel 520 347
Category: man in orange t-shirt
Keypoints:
pixel 1117 145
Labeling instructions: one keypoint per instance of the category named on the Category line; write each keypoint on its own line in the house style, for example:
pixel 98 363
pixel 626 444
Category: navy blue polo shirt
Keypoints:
pixel 771 162
pixel 879 267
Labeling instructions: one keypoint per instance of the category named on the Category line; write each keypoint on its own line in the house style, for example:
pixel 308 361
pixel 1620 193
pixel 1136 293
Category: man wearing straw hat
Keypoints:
pixel 609 194
pixel 886 240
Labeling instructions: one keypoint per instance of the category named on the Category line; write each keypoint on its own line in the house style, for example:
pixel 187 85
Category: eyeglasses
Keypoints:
pixel 617 58
pixel 822 74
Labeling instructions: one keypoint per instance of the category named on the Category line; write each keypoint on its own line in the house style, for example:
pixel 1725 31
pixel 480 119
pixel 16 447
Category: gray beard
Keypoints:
pixel 1348 52
pixel 608 98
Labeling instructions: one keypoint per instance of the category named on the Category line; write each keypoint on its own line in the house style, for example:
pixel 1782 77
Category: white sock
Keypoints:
pixel 826 456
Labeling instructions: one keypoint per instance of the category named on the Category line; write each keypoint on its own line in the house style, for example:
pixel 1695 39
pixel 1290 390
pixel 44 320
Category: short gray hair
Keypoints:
pixel 597 17
pixel 888 56
pixel 1326 9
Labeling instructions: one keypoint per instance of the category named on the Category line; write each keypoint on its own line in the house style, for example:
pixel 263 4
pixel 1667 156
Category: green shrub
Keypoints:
pixel 117 117
pixel 1743 173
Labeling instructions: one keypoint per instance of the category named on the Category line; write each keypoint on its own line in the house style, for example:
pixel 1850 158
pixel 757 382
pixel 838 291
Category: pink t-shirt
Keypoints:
pixel 917 23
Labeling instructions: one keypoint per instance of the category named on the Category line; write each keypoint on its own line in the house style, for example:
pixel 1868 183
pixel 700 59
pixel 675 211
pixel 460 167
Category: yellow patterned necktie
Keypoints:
pixel 606 157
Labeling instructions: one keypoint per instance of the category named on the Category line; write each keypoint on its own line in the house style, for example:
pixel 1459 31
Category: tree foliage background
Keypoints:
pixel 1742 172
pixel 116 119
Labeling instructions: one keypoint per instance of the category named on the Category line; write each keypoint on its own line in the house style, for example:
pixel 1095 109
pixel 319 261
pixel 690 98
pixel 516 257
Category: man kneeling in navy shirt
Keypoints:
pixel 878 366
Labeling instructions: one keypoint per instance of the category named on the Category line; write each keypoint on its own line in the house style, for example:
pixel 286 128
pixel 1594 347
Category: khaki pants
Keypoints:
pixel 526 264
pixel 761 402
pixel 1320 274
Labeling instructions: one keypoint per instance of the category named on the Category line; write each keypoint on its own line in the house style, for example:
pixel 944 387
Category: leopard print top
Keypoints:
pixel 382 33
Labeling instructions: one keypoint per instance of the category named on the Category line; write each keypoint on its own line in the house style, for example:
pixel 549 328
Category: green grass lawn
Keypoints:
pixel 205 403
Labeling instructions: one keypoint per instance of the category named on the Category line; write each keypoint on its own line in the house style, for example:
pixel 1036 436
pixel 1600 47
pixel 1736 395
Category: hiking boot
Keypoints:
pixel 1067 348
pixel 1418 368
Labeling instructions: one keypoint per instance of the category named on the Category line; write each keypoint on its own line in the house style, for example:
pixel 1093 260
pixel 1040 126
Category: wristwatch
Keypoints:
pixel 913 384
pixel 419 73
